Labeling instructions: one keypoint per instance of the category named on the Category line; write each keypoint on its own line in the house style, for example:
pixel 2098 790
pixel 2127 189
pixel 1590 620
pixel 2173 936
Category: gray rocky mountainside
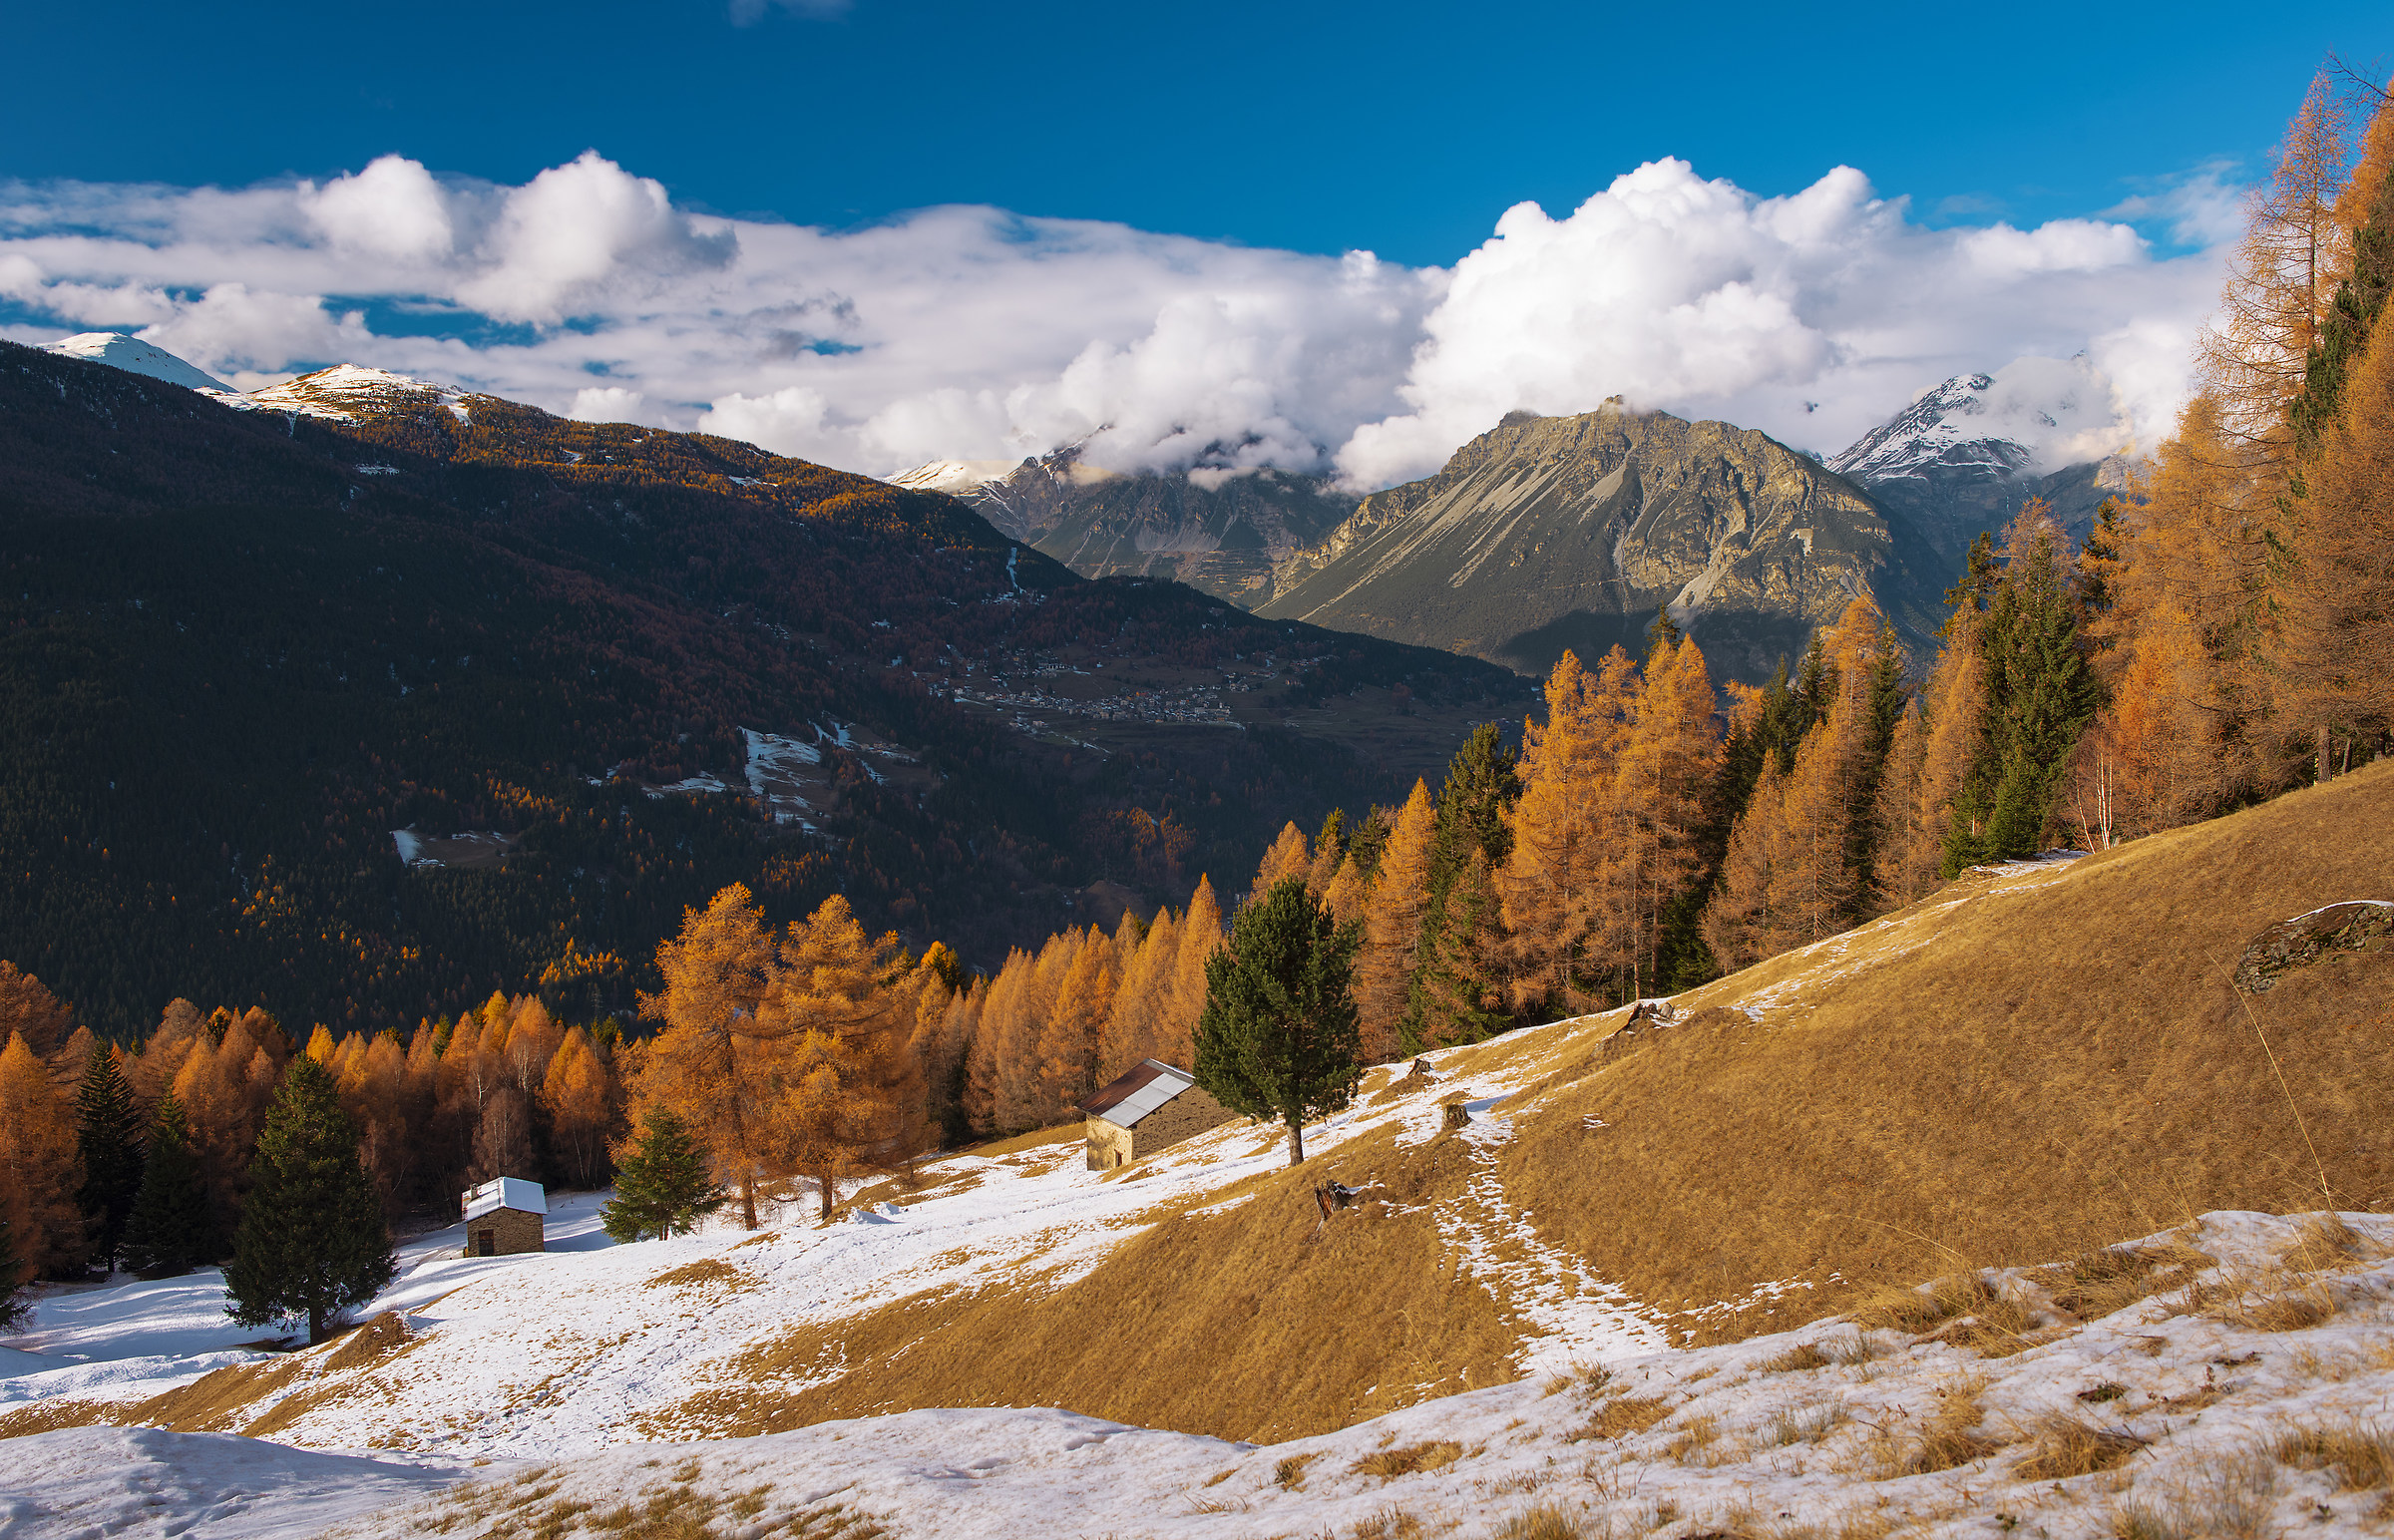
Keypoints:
pixel 1217 532
pixel 1946 466
pixel 1568 531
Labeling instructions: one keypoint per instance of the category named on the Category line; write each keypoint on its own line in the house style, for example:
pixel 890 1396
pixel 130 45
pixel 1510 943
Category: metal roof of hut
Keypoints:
pixel 1141 1089
pixel 507 1192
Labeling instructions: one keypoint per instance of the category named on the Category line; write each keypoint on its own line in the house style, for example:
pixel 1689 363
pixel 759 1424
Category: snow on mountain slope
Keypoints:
pixel 2033 416
pixel 2222 1378
pixel 342 392
pixel 953 477
pixel 576 1350
pixel 135 356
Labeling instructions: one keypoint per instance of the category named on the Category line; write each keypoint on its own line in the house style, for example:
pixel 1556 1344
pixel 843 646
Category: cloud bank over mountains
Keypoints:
pixel 974 333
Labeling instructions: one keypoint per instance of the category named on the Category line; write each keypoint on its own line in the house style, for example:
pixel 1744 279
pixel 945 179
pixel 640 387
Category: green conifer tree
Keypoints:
pixel 2040 697
pixel 1451 989
pixel 168 1231
pixel 2351 316
pixel 108 1133
pixel 311 1241
pixel 662 1185
pixel 1277 1039
pixel 14 1306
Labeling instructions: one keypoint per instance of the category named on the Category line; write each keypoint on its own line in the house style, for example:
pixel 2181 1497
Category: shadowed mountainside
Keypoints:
pixel 239 649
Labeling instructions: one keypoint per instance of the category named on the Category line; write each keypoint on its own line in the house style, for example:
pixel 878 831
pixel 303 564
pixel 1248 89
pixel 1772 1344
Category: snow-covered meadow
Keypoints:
pixel 2232 1375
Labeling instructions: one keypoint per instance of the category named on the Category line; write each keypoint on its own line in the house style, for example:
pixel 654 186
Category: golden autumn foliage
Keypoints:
pixel 790 1059
pixel 39 1167
pixel 1386 963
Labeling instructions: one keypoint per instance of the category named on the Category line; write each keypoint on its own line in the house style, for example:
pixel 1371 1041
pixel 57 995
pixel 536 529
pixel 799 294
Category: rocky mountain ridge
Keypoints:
pixel 1549 533
pixel 1219 531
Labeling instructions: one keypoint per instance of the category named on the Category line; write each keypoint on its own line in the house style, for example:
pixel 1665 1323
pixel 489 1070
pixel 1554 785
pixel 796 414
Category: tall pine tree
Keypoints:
pixel 1460 996
pixel 1277 1040
pixel 108 1133
pixel 170 1230
pixel 312 1240
pixel 662 1183
pixel 2040 697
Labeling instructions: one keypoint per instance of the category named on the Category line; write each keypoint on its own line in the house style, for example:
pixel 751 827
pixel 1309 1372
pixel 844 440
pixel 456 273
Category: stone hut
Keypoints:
pixel 504 1216
pixel 1153 1107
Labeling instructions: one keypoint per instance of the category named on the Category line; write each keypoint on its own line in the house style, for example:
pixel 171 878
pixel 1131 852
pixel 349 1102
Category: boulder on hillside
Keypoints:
pixel 2361 924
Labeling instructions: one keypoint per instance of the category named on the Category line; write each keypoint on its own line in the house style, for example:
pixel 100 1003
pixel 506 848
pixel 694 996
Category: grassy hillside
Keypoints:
pixel 2029 1063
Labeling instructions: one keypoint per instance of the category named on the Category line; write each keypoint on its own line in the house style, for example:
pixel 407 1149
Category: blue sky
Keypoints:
pixel 895 230
pixel 1399 128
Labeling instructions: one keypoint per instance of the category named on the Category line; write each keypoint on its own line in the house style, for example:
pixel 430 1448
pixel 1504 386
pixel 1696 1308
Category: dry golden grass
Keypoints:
pixel 708 1274
pixel 2224 1499
pixel 527 1508
pixel 1388 1524
pixel 1694 1443
pixel 1206 1324
pixel 2360 1453
pixel 1796 1359
pixel 2111 1278
pixel 1407 1460
pixel 2012 1071
pixel 1289 1474
pixel 2257 1300
pixel 2005 1072
pixel 2061 1446
pixel 1623 1416
pixel 371 1346
pixel 1948 1438
pixel 49 1416
pixel 1544 1522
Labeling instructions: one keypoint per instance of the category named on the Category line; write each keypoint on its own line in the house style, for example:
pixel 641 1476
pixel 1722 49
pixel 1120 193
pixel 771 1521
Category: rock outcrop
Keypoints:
pixel 2361 924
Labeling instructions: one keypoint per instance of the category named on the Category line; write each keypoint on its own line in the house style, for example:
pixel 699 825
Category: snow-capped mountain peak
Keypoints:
pixel 2027 419
pixel 133 356
pixel 953 477
pixel 341 392
pixel 1945 428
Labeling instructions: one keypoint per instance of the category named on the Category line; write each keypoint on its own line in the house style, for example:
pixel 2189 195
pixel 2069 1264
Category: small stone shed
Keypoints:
pixel 504 1216
pixel 1153 1107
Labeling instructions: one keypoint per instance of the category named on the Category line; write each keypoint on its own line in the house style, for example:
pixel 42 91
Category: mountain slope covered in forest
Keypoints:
pixel 248 655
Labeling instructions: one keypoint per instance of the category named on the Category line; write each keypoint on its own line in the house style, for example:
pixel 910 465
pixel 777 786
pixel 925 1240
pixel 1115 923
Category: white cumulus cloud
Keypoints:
pixel 1812 316
pixel 974 333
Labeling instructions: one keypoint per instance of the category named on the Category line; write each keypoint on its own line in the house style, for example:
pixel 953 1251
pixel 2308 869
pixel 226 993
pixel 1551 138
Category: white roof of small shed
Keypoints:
pixel 507 1192
pixel 1147 1086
